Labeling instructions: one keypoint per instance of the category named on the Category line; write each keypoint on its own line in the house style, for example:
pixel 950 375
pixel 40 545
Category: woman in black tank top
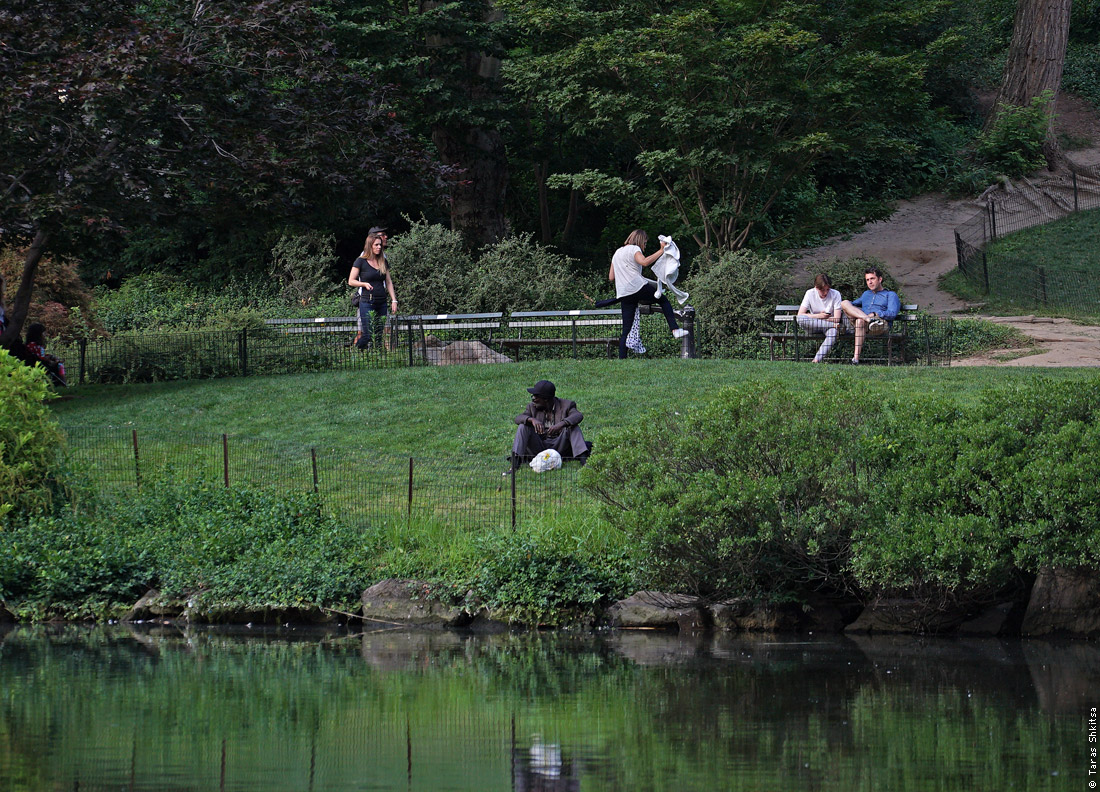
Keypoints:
pixel 371 277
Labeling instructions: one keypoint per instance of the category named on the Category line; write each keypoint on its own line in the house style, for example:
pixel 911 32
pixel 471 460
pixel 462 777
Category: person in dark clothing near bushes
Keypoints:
pixel 548 422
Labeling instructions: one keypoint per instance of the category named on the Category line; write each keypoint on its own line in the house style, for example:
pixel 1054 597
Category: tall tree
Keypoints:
pixel 1036 56
pixel 128 111
pixel 442 61
pixel 723 105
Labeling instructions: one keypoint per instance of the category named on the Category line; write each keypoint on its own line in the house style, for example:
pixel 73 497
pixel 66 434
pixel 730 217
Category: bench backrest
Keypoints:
pixel 426 322
pixel 578 318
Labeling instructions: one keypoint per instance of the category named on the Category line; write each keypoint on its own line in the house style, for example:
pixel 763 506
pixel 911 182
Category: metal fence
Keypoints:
pixel 1041 279
pixel 239 353
pixel 463 493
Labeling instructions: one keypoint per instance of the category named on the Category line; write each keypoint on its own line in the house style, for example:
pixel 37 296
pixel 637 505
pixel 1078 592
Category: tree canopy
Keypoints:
pixel 131 111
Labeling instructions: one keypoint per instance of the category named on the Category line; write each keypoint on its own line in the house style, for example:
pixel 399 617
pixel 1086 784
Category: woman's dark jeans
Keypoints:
pixel 372 316
pixel 647 295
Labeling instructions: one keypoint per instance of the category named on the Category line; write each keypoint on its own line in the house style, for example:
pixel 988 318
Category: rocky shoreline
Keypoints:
pixel 1061 603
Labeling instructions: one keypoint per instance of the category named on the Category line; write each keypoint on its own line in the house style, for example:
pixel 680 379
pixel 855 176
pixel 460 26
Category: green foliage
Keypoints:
pixel 538 581
pixel 302 265
pixel 739 291
pixel 775 493
pixel 1014 141
pixel 30 441
pixel 60 300
pixel 431 268
pixel 517 274
pixel 220 548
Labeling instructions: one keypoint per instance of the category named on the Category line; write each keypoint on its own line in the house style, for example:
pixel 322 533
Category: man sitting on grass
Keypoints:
pixel 548 422
pixel 873 312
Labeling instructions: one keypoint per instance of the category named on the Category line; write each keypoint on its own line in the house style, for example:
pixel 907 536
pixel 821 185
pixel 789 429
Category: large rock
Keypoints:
pixel 905 616
pixel 745 616
pixel 461 352
pixel 1064 601
pixel 656 609
pixel 408 602
pixel 150 606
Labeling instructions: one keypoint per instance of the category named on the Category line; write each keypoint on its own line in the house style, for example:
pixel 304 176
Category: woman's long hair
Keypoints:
pixel 368 253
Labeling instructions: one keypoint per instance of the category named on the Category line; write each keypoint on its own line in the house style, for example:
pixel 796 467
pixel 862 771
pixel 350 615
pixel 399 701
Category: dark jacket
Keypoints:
pixel 560 410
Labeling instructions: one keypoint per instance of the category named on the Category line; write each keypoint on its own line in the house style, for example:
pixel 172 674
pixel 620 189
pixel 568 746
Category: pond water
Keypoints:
pixel 118 708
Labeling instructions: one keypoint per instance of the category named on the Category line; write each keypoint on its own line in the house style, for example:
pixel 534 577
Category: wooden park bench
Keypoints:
pixel 785 315
pixel 320 324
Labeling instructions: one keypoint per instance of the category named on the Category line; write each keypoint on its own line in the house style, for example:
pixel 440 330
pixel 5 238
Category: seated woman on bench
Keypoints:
pixel 820 313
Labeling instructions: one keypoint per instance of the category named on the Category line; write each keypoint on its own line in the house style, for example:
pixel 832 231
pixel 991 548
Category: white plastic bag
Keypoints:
pixel 546 460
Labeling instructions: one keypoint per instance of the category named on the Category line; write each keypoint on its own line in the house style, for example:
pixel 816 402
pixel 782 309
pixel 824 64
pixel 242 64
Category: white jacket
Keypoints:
pixel 667 269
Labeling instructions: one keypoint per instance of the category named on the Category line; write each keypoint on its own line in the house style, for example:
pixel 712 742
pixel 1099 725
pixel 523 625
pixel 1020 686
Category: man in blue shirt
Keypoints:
pixel 873 312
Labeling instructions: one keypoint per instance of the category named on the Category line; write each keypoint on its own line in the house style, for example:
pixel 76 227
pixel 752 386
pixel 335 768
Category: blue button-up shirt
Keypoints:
pixel 884 303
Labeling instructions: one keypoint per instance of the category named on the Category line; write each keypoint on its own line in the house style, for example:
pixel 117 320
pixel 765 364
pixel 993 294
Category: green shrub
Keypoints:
pixel 754 495
pixel 1014 142
pixel 516 274
pixel 431 269
pixel 30 441
pixel 302 265
pixel 738 292
pixel 539 583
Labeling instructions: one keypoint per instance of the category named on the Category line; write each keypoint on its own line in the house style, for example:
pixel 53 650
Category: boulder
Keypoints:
pixel 408 602
pixel 991 621
pixel 150 607
pixel 461 352
pixel 656 609
pixel 743 615
pixel 905 616
pixel 1065 601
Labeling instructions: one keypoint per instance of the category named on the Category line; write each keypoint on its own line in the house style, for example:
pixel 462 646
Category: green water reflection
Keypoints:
pixel 137 709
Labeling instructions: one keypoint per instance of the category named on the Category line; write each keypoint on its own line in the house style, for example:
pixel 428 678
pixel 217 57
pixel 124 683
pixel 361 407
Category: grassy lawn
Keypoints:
pixel 1050 269
pixel 467 411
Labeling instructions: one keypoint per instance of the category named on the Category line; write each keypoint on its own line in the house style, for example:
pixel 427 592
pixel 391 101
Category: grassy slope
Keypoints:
pixel 468 410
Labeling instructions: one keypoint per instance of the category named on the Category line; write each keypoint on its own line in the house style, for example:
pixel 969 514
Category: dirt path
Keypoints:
pixel 917 243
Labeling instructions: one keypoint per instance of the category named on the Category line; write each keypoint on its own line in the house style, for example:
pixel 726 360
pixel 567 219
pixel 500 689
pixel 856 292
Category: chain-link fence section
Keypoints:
pixel 360 486
pixel 1041 279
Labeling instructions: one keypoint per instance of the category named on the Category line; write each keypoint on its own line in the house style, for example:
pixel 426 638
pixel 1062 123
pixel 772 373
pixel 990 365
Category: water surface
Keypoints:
pixel 162 709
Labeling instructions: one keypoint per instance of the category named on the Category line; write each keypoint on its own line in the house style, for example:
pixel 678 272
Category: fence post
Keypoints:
pixel 225 458
pixel 410 514
pixel 1074 174
pixel 513 467
pixel 137 465
pixel 992 219
pixel 83 344
pixel 313 460
pixel 985 272
pixel 687 343
pixel 960 262
pixel 242 351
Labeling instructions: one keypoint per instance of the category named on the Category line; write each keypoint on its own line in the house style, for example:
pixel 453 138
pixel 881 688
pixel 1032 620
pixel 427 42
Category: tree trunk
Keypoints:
pixel 477 199
pixel 541 170
pixel 21 303
pixel 1035 60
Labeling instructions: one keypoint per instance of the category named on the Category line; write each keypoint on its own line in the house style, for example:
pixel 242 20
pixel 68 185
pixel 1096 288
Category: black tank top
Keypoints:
pixel 376 279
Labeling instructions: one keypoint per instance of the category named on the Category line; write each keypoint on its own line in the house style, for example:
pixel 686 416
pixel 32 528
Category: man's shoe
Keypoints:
pixel 679 332
pixel 855 361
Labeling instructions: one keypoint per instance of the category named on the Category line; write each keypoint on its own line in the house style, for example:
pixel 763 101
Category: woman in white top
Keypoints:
pixel 631 288
pixel 820 313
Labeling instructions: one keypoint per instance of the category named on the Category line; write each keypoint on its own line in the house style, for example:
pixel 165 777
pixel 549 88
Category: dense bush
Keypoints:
pixel 302 266
pixel 60 300
pixel 220 548
pixel 431 269
pixel 739 291
pixel 30 441
pixel 1014 142
pixel 778 494
pixel 517 274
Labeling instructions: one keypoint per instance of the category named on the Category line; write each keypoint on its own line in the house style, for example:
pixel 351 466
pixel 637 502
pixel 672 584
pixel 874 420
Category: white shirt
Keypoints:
pixel 815 303
pixel 628 275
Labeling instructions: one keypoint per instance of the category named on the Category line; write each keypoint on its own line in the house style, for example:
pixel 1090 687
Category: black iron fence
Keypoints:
pixel 463 493
pixel 1037 280
pixel 155 357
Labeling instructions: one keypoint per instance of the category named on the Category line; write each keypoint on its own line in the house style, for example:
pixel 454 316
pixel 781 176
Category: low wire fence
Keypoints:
pixel 359 485
pixel 241 353
pixel 1042 279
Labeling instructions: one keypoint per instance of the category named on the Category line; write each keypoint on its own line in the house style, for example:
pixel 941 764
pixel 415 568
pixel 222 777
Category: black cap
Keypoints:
pixel 543 388
pixel 377 230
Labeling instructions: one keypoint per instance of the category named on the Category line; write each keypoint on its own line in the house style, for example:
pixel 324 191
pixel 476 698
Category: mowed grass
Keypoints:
pixel 468 411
